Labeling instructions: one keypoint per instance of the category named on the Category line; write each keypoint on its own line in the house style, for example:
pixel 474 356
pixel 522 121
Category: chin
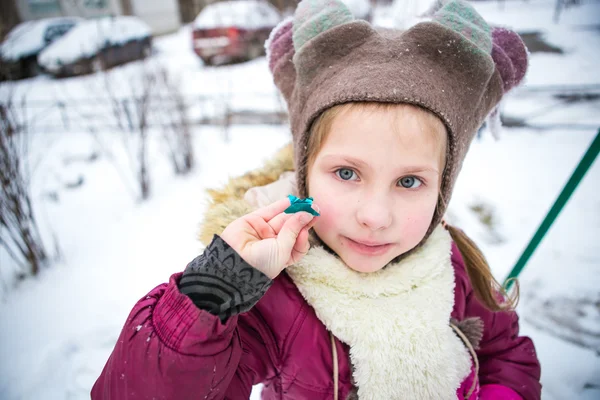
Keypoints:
pixel 365 266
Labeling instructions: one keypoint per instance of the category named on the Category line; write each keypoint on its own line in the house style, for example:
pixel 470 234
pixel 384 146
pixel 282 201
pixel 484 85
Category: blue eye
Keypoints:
pixel 410 182
pixel 346 174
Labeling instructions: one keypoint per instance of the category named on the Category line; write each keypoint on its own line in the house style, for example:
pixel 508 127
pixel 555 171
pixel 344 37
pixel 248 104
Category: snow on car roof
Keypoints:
pixel 246 14
pixel 28 37
pixel 87 38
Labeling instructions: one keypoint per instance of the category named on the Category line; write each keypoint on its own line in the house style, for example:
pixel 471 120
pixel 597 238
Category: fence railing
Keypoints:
pixel 582 168
pixel 104 113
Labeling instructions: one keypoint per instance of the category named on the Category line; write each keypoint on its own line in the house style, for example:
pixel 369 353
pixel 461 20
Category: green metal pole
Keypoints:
pixel 584 165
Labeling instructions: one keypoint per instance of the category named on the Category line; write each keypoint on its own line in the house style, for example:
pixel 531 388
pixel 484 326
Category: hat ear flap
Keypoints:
pixel 280 54
pixel 510 56
pixel 313 17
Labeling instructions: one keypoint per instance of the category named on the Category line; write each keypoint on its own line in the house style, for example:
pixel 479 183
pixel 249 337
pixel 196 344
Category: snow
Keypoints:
pixel 62 325
pixel 245 14
pixel 29 37
pixel 404 13
pixel 574 32
pixel 358 8
pixel 87 38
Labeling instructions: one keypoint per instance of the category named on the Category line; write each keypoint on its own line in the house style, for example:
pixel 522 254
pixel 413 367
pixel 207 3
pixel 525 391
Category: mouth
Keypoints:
pixel 368 248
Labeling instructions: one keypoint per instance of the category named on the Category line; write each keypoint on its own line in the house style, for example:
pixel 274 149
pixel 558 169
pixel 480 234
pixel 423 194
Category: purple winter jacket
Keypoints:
pixel 171 350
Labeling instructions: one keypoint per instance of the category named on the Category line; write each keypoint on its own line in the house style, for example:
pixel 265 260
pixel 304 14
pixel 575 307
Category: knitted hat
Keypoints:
pixel 455 66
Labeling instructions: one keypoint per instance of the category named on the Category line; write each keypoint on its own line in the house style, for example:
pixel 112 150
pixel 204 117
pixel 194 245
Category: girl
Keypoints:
pixel 373 298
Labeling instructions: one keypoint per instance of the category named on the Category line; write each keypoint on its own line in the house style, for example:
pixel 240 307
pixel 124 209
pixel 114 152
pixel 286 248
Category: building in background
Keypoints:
pixel 162 15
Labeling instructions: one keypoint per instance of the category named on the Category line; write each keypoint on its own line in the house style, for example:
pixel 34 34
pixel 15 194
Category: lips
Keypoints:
pixel 368 248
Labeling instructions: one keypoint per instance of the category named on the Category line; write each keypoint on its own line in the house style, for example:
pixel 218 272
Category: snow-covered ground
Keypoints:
pixel 59 328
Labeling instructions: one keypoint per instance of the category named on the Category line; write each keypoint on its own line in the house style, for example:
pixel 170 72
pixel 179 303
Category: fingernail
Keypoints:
pixel 305 217
pixel 315 207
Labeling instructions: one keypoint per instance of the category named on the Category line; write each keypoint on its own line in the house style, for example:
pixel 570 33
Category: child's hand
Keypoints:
pixel 270 240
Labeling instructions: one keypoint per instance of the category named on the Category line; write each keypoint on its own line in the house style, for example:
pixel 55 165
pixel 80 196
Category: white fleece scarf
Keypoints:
pixel 396 320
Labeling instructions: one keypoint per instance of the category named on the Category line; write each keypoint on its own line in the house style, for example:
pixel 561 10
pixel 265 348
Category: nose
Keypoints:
pixel 374 212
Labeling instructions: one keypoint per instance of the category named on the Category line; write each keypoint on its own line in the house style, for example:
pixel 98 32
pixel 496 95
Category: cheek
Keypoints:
pixel 415 227
pixel 330 214
pixel 327 199
pixel 416 222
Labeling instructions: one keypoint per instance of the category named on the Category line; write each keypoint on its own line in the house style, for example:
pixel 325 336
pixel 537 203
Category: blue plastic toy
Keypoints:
pixel 300 205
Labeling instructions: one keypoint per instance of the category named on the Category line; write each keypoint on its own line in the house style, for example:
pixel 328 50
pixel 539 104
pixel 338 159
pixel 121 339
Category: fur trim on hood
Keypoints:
pixel 227 204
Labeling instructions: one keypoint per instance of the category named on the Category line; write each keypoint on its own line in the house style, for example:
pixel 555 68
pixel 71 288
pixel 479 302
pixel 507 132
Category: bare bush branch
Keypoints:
pixel 19 233
pixel 176 131
pixel 130 109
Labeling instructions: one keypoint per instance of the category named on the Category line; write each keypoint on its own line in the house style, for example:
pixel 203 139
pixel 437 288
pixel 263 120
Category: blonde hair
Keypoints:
pixel 487 289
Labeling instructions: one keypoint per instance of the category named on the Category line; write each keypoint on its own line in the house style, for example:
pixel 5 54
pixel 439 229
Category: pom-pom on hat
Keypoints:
pixel 456 66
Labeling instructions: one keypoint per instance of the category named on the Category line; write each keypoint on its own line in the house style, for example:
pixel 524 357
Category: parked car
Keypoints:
pixel 19 51
pixel 95 45
pixel 233 30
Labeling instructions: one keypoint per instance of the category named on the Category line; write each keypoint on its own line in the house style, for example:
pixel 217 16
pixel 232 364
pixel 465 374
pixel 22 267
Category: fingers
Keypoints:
pixel 273 209
pixel 301 246
pixel 276 223
pixel 262 228
pixel 291 230
pixel 311 223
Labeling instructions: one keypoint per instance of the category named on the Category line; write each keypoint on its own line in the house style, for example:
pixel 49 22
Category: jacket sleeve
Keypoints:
pixel 223 283
pixel 505 358
pixel 172 349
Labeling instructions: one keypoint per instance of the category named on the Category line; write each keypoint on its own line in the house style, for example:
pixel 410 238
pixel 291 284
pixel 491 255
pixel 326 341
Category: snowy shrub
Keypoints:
pixel 176 129
pixel 19 233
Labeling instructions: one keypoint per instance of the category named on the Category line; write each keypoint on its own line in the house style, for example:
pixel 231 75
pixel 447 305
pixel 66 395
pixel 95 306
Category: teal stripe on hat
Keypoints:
pixel 314 17
pixel 461 17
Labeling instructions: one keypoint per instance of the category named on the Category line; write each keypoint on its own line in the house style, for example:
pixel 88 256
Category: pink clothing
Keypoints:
pixel 169 349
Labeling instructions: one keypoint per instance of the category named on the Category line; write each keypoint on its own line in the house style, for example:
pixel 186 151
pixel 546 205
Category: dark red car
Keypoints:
pixel 233 30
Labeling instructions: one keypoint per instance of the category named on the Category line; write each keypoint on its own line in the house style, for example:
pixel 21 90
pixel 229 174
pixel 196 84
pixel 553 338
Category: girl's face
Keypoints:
pixel 376 180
